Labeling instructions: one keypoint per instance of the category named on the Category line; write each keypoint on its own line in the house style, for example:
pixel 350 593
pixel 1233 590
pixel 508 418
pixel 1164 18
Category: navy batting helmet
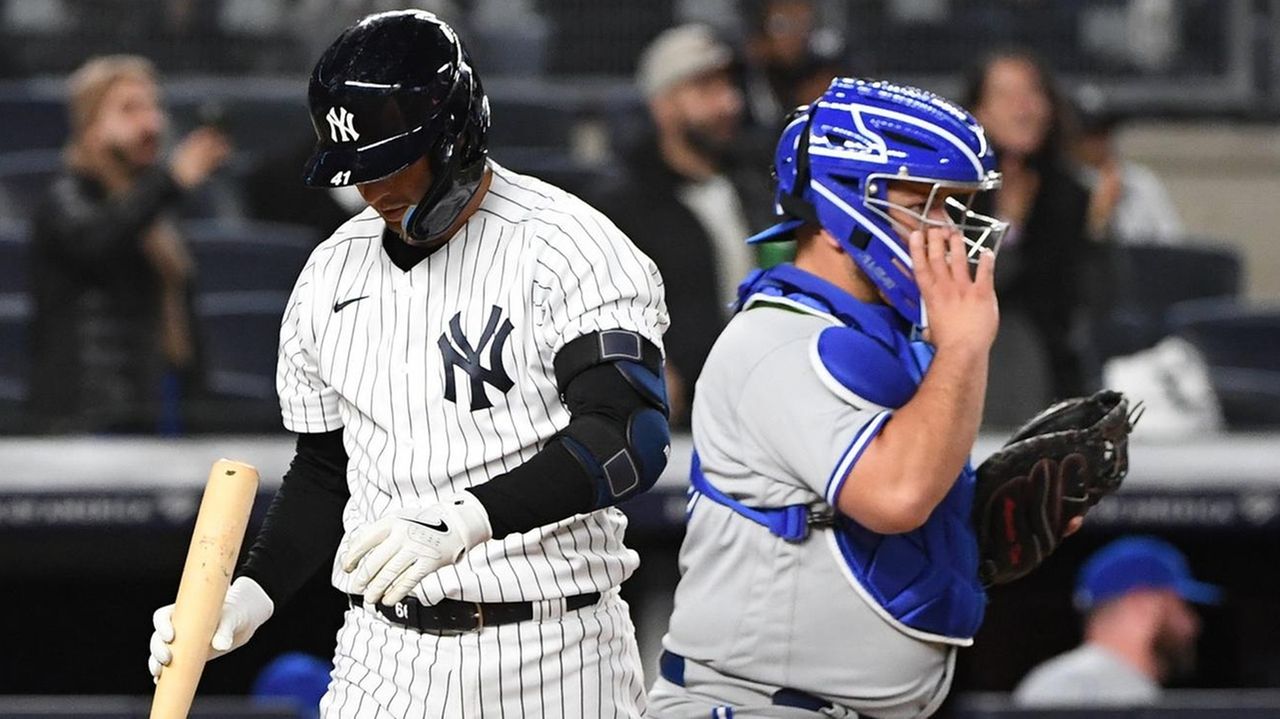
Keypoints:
pixel 393 88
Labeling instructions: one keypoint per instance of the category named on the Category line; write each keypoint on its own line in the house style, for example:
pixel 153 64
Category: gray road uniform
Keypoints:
pixel 764 626
pixel 1088 675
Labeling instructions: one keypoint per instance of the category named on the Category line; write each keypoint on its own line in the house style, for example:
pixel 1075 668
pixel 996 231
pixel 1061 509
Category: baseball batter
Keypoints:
pixel 830 566
pixel 473 368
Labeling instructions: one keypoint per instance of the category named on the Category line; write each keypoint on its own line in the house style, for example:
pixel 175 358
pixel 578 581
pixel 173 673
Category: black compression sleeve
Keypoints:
pixel 553 485
pixel 304 522
pixel 549 487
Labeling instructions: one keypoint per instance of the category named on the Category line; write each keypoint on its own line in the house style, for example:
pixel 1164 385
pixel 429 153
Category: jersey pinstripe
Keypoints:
pixel 441 376
pixel 582 664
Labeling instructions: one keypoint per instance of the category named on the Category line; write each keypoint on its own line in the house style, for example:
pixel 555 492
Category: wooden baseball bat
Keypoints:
pixel 215 545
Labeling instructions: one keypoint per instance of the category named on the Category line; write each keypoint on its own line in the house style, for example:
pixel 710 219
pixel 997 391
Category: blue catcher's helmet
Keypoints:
pixel 835 160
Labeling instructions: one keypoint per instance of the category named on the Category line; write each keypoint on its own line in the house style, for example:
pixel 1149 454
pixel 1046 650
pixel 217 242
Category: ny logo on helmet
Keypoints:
pixel 342 125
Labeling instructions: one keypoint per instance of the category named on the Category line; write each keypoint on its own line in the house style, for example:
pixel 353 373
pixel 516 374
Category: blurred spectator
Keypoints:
pixel 686 199
pixel 1129 204
pixel 113 333
pixel 510 37
pixel 1140 629
pixel 814 79
pixel 1041 259
pixel 779 58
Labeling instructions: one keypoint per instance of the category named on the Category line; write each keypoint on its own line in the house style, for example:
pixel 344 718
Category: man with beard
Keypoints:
pixel 1140 629
pixel 781 62
pixel 689 194
pixel 110 273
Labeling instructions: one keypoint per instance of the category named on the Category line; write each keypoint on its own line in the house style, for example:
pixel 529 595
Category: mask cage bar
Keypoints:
pixel 979 231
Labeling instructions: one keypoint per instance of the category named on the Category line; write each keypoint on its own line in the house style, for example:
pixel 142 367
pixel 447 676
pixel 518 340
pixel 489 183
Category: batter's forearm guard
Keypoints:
pixel 621 439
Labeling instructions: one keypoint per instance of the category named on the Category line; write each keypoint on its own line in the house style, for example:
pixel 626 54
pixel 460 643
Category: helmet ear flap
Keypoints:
pixel 802 156
pixel 795 114
pixel 793 202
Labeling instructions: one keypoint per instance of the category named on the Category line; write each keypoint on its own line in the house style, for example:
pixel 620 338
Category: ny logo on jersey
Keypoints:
pixel 342 125
pixel 458 353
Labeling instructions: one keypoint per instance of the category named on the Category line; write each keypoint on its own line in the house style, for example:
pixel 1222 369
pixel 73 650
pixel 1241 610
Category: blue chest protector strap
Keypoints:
pixel 791 522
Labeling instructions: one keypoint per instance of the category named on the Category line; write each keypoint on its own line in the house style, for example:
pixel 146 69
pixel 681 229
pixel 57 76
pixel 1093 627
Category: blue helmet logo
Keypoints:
pixel 836 159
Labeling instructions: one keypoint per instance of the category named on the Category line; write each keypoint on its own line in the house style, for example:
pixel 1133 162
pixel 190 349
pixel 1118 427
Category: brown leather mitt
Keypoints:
pixel 1052 470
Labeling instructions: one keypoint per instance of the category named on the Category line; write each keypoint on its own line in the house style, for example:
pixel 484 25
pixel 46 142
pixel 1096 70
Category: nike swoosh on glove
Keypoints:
pixel 388 558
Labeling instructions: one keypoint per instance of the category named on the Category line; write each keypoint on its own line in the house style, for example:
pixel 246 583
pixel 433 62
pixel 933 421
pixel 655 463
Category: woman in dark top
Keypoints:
pixel 1038 274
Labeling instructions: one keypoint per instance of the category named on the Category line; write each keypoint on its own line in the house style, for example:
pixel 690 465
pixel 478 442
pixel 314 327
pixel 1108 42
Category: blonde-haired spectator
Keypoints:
pixel 110 274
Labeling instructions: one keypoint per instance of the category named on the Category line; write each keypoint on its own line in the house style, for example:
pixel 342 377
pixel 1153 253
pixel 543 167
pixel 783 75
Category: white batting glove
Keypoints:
pixel 245 608
pixel 388 558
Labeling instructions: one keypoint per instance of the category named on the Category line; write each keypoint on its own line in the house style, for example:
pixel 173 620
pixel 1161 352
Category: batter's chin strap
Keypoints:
pixel 444 201
pixel 624 446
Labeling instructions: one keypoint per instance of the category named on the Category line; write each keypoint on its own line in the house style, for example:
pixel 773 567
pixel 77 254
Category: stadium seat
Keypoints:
pixel 239 334
pixel 33 118
pixel 24 178
pixel 1241 345
pixel 255 256
pixel 556 168
pixel 530 123
pixel 14 244
pixel 1148 279
pixel 15 313
pixel 245 272
pixel 258 125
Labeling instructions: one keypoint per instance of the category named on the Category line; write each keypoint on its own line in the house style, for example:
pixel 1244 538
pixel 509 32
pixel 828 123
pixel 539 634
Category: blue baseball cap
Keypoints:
pixel 1134 563
pixel 299 678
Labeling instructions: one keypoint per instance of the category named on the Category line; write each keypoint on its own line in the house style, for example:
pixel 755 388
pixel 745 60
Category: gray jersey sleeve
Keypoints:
pixel 791 425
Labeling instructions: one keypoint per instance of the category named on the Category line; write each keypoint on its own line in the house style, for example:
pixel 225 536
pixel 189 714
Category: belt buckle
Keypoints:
pixel 476 613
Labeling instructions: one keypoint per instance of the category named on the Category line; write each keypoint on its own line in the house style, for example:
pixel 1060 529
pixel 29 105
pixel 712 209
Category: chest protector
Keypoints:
pixel 925 581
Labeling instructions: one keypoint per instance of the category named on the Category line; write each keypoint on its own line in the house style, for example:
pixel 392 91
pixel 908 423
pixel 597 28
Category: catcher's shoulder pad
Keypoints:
pixel 1077 413
pixel 861 369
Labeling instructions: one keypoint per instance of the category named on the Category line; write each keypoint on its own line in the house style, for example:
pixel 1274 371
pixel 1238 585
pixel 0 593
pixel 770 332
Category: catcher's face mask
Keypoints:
pixel 910 204
pixel 860 135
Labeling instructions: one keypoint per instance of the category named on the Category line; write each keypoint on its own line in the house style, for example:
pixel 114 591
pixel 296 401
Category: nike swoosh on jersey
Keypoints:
pixel 437 527
pixel 337 306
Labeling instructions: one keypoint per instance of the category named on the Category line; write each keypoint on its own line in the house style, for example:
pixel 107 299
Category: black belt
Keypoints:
pixel 451 616
pixel 671 666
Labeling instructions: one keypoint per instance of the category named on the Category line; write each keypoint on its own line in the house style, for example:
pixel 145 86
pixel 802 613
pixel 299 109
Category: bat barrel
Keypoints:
pixel 211 559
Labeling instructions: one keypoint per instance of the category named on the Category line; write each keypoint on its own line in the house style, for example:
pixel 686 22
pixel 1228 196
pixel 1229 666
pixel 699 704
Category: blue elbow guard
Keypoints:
pixel 620 438
pixel 636 463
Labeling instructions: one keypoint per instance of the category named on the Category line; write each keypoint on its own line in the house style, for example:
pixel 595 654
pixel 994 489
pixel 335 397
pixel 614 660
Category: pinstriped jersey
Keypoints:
pixel 441 375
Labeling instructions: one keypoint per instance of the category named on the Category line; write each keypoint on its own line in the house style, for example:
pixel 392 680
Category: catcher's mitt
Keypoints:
pixel 1053 469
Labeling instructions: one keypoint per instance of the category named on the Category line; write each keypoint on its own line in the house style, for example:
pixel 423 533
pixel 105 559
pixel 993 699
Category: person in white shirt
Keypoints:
pixel 1128 203
pixel 1140 629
